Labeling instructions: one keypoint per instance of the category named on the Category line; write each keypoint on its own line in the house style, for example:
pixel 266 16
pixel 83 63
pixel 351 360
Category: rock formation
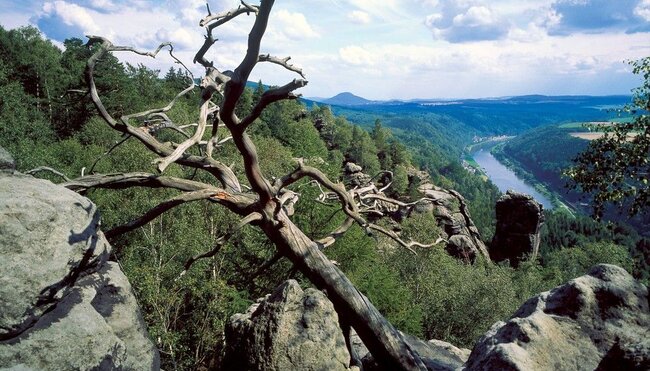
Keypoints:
pixel 448 207
pixel 519 219
pixel 597 321
pixel 63 306
pixel 451 211
pixel 293 329
pixel 436 354
pixel 354 176
pixel 290 329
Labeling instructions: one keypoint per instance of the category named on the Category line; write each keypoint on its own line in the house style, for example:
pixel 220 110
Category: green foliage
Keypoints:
pixel 546 152
pixel 363 152
pixel 372 273
pixel 615 167
pixel 561 231
pixel 573 262
pixel 400 180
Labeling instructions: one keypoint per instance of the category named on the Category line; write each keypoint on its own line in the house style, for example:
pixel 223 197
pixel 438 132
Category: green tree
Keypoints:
pixel 363 152
pixel 616 167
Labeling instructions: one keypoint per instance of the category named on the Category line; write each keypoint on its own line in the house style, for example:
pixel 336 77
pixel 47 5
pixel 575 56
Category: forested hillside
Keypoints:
pixel 47 119
pixel 545 152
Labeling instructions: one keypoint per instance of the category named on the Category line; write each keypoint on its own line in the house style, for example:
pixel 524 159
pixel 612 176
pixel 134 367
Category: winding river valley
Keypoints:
pixel 505 178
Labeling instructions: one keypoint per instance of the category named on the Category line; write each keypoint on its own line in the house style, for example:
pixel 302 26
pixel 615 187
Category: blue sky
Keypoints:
pixel 386 49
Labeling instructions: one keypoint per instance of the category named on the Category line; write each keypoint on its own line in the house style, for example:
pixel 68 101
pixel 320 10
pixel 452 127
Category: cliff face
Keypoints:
pixel 63 305
pixel 447 206
pixel 517 236
pixel 450 210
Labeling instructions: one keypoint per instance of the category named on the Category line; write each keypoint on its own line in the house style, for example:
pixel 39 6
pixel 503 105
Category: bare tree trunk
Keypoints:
pixel 382 339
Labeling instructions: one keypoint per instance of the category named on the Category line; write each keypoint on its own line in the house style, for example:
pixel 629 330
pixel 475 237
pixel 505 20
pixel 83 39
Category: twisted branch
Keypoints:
pixel 223 17
pixel 270 96
pixel 250 218
pixel 156 211
pixel 223 173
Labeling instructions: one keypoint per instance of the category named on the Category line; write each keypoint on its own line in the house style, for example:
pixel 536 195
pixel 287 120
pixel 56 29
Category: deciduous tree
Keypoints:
pixel 616 167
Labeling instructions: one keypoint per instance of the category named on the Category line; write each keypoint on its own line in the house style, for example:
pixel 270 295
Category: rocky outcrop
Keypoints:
pixel 354 176
pixel 290 329
pixel 293 329
pixel 63 306
pixel 519 219
pixel 450 210
pixel 599 321
pixel 437 355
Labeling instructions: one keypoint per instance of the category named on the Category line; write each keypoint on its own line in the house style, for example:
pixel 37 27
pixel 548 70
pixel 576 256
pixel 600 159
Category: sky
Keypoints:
pixel 388 49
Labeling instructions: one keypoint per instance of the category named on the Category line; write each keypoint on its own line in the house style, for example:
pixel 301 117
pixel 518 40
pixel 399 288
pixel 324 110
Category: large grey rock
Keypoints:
pixel 291 329
pixel 519 219
pixel 437 355
pixel 62 305
pixel 597 321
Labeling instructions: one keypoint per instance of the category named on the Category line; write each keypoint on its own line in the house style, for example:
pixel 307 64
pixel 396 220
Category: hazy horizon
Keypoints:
pixel 394 49
pixel 450 99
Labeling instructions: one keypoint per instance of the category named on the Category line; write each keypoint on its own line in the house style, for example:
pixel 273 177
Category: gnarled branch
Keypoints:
pixel 270 96
pixel 156 211
pixel 250 218
pixel 223 17
pixel 284 62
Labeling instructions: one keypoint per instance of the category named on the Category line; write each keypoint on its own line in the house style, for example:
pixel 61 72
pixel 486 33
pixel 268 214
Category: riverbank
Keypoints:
pixel 556 200
pixel 506 179
pixel 500 177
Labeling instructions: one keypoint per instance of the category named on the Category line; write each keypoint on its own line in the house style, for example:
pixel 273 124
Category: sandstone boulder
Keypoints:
pixel 597 321
pixel 519 219
pixel 62 305
pixel 290 329
pixel 437 355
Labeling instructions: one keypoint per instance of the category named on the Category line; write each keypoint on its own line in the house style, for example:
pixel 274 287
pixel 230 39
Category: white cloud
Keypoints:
pixel 432 19
pixel 103 5
pixel 475 16
pixel 464 21
pixel 480 47
pixel 180 37
pixel 429 3
pixel 356 55
pixel 643 10
pixel 71 15
pixel 293 25
pixel 359 17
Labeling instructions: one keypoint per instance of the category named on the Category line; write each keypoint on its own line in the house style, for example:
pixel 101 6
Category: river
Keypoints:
pixel 505 178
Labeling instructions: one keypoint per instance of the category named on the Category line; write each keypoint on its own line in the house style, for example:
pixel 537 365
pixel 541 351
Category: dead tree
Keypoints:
pixel 266 204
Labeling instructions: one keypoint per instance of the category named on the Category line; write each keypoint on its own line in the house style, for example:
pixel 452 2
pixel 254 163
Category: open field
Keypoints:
pixel 596 135
pixel 578 125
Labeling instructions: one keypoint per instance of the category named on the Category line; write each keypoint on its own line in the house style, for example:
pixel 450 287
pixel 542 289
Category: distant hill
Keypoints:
pixel 346 99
